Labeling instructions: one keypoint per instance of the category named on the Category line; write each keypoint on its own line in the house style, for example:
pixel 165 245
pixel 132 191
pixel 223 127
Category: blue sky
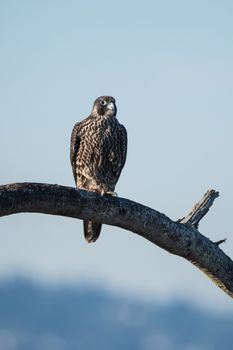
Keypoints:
pixel 169 66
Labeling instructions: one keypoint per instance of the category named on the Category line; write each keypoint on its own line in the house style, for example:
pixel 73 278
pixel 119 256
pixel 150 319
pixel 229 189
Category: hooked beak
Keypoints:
pixel 111 106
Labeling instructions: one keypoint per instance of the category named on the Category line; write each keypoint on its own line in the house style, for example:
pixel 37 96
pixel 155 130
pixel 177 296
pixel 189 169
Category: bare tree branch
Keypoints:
pixel 220 241
pixel 200 209
pixel 180 238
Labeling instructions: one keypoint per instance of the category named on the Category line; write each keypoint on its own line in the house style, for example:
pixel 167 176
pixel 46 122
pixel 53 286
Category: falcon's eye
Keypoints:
pixel 103 103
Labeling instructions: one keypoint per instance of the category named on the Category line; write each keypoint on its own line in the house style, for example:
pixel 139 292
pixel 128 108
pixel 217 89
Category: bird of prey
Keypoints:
pixel 98 153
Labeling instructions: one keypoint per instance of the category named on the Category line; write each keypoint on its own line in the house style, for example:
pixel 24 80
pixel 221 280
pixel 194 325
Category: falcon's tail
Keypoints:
pixel 91 230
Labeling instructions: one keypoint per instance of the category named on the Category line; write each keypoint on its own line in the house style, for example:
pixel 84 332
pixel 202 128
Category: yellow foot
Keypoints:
pixel 109 193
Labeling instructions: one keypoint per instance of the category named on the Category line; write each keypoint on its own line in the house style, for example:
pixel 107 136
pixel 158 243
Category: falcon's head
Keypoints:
pixel 105 106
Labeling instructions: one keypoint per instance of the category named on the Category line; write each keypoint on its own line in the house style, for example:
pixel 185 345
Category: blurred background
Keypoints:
pixel 169 66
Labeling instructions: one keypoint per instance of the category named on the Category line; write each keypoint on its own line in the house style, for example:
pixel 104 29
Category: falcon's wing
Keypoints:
pixel 123 149
pixel 74 146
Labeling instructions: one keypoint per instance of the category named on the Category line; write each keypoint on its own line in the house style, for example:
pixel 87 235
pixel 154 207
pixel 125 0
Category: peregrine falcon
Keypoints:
pixel 98 153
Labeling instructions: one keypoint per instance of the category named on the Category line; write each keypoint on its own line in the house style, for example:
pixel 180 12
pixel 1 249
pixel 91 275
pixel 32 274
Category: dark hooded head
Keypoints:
pixel 105 105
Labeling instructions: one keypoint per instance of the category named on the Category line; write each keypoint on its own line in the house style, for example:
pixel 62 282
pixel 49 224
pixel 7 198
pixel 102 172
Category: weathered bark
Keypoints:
pixel 180 238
